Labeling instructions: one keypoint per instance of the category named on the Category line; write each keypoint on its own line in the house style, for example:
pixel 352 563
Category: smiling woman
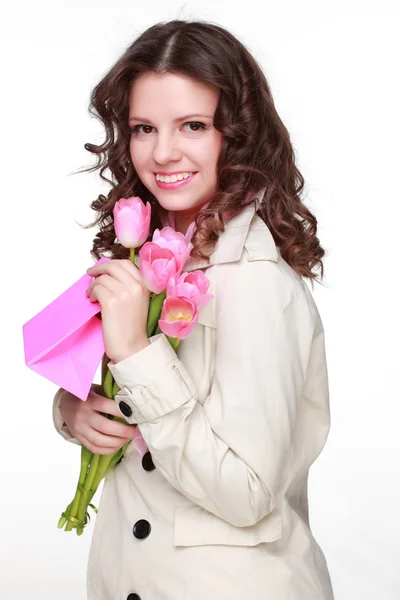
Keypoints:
pixel 153 101
pixel 233 417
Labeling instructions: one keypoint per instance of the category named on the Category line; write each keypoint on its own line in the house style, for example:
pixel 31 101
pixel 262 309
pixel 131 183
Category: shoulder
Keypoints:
pixel 263 277
pixel 260 264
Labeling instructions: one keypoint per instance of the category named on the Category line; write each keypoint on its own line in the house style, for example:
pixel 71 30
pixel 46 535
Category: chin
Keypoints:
pixel 178 202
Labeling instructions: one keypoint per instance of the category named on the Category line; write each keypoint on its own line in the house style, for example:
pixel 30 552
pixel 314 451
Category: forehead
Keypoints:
pixel 171 93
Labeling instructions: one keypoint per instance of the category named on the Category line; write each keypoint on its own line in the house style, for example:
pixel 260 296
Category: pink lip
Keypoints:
pixel 171 186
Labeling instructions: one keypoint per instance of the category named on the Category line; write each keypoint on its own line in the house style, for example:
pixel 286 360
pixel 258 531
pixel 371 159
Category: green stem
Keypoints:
pixel 173 341
pixel 155 308
pixel 132 254
pixel 115 389
pixel 73 508
pixel 117 455
pixel 101 463
pixel 107 461
pixel 108 384
pixel 86 467
pixel 102 468
pixel 92 474
pixel 88 491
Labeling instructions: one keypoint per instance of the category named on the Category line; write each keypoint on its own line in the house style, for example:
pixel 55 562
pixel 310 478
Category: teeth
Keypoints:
pixel 172 178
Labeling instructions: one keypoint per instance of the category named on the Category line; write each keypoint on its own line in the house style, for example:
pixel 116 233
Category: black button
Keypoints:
pixel 125 408
pixel 133 597
pixel 141 529
pixel 147 462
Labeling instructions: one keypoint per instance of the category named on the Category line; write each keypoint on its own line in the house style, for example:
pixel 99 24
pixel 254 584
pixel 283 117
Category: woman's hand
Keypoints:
pixel 124 300
pixel 96 432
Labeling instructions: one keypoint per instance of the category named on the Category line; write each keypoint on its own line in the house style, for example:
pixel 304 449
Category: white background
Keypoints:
pixel 333 68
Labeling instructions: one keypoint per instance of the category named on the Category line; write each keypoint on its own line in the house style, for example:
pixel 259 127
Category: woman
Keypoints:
pixel 217 507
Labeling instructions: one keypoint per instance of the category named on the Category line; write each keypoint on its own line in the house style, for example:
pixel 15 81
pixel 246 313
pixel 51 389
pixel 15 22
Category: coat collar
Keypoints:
pixel 232 241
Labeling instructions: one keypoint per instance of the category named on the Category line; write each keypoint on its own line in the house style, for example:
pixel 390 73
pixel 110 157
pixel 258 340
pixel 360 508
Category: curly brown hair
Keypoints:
pixel 256 149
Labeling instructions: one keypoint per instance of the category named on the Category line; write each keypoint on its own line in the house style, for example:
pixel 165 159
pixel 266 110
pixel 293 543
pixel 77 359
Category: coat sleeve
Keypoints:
pixel 229 455
pixel 58 420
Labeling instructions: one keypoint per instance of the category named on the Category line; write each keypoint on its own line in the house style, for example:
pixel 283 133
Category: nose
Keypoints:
pixel 166 149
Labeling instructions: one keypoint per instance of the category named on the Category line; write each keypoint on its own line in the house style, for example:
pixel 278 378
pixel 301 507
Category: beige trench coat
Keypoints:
pixel 233 420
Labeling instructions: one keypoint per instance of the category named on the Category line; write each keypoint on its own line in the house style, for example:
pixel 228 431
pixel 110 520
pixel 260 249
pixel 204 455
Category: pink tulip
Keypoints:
pixel 175 241
pixel 178 317
pixel 191 285
pixel 132 221
pixel 157 266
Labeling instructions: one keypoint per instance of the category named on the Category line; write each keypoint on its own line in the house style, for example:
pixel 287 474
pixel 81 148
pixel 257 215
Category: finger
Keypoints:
pixel 100 294
pixel 112 428
pixel 101 440
pixel 120 270
pixel 136 274
pixel 99 449
pixel 106 281
pixel 113 286
pixel 130 268
pixel 103 404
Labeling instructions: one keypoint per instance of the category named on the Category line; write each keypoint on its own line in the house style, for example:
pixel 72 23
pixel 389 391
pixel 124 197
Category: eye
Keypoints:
pixel 197 124
pixel 135 130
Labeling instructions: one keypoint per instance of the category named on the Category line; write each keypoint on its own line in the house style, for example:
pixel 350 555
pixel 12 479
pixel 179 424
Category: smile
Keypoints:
pixel 169 185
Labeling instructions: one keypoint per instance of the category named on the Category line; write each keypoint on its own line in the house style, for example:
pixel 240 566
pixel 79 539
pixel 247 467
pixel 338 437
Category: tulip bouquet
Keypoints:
pixel 173 309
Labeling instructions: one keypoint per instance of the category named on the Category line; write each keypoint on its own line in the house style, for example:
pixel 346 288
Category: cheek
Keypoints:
pixel 208 152
pixel 138 155
pixel 212 151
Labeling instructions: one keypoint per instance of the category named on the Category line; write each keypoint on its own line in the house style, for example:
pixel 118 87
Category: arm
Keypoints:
pixel 228 455
pixel 58 420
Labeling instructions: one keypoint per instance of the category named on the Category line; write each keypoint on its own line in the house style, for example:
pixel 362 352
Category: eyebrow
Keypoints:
pixel 143 120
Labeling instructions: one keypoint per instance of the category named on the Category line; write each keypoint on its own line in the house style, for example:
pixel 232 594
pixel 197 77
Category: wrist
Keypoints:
pixel 129 351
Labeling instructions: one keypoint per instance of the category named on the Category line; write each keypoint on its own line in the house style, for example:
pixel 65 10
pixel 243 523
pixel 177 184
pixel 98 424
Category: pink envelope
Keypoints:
pixel 64 341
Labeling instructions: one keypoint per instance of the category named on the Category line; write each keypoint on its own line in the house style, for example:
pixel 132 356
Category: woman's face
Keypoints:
pixel 171 121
